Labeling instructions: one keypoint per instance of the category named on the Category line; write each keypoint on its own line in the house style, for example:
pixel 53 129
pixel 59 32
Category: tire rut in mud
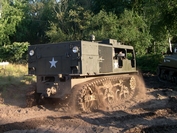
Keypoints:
pixel 109 119
pixel 26 125
pixel 161 129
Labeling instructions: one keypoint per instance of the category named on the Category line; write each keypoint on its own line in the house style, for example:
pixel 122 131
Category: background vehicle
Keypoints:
pixel 167 70
pixel 92 75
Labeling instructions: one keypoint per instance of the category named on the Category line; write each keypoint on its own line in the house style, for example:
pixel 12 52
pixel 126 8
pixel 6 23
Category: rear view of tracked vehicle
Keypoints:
pixel 91 75
pixel 167 70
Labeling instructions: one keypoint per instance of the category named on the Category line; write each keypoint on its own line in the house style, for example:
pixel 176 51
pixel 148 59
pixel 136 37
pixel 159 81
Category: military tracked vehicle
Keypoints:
pixel 167 70
pixel 90 74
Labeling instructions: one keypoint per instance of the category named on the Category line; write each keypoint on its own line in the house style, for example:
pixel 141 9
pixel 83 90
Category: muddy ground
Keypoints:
pixel 155 112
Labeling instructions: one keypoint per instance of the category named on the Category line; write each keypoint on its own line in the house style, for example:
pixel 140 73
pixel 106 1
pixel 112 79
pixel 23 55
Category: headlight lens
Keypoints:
pixel 75 49
pixel 31 52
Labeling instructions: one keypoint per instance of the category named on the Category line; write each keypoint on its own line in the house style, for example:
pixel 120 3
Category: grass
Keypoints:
pixel 14 82
pixel 14 74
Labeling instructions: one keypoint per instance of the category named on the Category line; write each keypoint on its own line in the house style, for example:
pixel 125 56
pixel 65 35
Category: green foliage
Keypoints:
pixel 149 62
pixel 134 31
pixel 71 24
pixel 38 14
pixel 168 14
pixel 11 17
pixel 104 25
pixel 55 34
pixel 147 25
pixel 114 6
pixel 14 52
pixel 161 19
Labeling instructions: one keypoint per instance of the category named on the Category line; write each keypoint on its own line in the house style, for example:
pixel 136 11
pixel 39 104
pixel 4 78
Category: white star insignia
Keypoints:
pixel 53 63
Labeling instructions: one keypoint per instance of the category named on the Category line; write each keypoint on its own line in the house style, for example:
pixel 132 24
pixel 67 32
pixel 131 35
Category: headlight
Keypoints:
pixel 75 49
pixel 31 52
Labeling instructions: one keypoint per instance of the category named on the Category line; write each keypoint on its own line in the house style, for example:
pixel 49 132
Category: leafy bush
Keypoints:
pixel 15 52
pixel 149 62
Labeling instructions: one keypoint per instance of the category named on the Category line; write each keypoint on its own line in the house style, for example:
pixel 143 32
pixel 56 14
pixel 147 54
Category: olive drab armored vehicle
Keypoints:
pixel 90 74
pixel 167 70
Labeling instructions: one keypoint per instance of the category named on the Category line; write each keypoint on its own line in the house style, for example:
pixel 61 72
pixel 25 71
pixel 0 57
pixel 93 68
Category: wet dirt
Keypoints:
pixel 154 112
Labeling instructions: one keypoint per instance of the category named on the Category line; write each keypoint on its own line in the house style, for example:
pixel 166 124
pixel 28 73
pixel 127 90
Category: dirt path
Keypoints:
pixel 154 113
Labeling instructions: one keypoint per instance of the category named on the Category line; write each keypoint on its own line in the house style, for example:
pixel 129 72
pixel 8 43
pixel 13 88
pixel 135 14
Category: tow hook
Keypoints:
pixel 51 91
